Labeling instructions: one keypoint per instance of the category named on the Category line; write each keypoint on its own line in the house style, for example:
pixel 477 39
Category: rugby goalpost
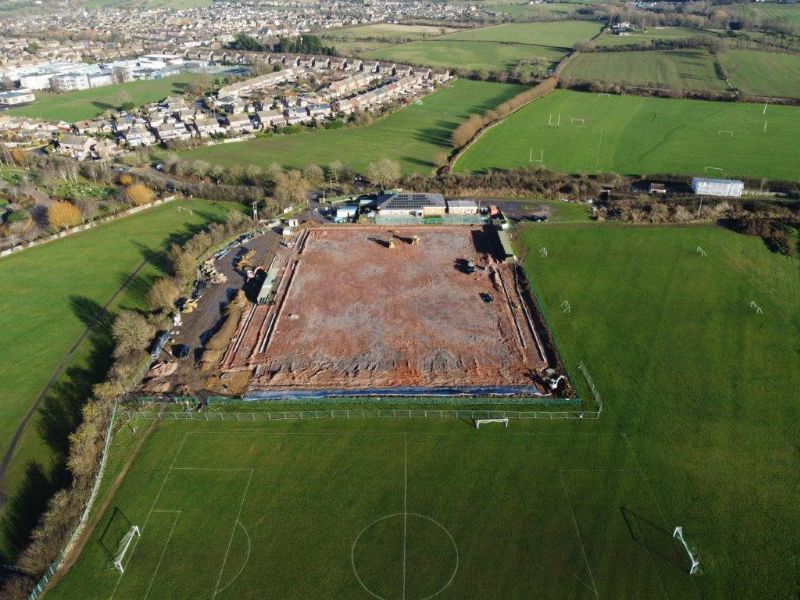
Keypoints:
pixel 124 545
pixel 539 160
pixel 479 422
pixel 552 123
pixel 725 132
pixel 678 535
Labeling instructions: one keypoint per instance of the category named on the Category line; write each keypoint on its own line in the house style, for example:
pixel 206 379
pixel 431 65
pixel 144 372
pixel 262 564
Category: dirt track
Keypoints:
pixel 353 313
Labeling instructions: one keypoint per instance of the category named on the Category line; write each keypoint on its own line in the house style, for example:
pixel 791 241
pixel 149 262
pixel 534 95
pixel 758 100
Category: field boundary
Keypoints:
pixel 301 415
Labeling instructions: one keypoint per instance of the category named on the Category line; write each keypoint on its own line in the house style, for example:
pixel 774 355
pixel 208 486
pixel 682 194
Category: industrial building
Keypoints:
pixel 727 188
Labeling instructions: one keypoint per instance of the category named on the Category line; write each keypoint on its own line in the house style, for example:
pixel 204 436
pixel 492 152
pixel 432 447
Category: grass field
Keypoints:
pixel 523 10
pixel 763 73
pixel 371 37
pixel 411 136
pixel 636 135
pixel 651 35
pixel 60 289
pixel 773 11
pixel 85 104
pixel 678 69
pixel 463 54
pixel 398 508
pixel 558 34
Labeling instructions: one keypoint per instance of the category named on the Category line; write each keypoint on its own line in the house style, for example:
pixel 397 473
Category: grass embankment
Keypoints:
pixel 637 135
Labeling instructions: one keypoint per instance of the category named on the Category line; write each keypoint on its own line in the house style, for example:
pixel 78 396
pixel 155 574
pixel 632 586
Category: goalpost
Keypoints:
pixel 124 545
pixel 552 123
pixel 678 535
pixel 577 122
pixel 479 422
pixel 725 132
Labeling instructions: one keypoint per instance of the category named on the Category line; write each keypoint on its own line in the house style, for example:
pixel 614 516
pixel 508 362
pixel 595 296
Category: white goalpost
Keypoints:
pixel 479 422
pixel 539 160
pixel 552 123
pixel 678 535
pixel 577 122
pixel 124 545
pixel 725 132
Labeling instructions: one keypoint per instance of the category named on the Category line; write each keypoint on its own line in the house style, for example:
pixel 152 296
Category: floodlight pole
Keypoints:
pixel 699 208
pixel 255 210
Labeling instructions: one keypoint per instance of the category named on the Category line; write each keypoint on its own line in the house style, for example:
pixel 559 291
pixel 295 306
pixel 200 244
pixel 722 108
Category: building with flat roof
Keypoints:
pixel 462 207
pixel 727 188
pixel 397 204
pixel 16 97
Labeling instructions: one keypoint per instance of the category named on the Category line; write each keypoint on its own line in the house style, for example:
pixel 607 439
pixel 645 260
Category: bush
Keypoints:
pixel 138 194
pixel 63 215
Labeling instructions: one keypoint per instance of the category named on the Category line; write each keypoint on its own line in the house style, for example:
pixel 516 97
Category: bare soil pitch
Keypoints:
pixel 353 313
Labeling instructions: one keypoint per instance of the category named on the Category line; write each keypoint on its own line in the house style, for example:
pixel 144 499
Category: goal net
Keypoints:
pixel 479 422
pixel 694 563
pixel 124 545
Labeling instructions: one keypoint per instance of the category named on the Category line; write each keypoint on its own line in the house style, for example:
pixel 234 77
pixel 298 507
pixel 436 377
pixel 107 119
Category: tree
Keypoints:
pixel 63 215
pixel 162 294
pixel 123 99
pixel 383 173
pixel 291 188
pixel 335 170
pixel 314 174
pixel 273 173
pixel 131 332
pixel 138 194
pixel 440 159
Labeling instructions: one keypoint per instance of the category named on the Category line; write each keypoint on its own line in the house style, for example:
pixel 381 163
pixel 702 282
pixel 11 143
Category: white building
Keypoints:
pixel 462 207
pixel 69 82
pixel 35 81
pixel 100 79
pixel 728 188
pixel 16 97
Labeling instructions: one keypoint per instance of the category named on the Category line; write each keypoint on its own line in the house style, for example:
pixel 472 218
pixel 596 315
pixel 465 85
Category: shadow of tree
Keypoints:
pixel 58 416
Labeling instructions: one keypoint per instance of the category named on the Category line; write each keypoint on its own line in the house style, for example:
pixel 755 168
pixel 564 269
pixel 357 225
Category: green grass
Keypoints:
pixel 651 35
pixel 411 136
pixel 57 289
pixel 678 69
pixel 763 73
pixel 455 54
pixel 523 10
pixel 85 104
pixel 694 424
pixel 559 34
pixel 772 11
pixel 363 38
pixel 636 135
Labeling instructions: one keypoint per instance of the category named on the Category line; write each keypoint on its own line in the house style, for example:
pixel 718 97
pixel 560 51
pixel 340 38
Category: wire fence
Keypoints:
pixel 360 414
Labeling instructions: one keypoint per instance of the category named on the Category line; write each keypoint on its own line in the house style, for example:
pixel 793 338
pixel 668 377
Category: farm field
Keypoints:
pixel 651 35
pixel 523 10
pixel 558 34
pixel 371 37
pixel 349 508
pixel 462 54
pixel 60 289
pixel 637 135
pixel 773 11
pixel 411 136
pixel 763 73
pixel 85 104
pixel 678 69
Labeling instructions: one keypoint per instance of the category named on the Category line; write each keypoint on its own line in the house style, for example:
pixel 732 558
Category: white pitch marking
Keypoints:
pixel 163 552
pixel 578 532
pixel 233 531
pixel 405 511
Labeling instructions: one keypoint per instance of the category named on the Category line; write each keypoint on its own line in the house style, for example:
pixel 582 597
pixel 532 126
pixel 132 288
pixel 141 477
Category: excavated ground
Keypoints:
pixel 353 313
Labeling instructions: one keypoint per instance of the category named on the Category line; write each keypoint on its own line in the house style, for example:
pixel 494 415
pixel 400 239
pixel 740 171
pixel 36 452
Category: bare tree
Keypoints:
pixel 383 173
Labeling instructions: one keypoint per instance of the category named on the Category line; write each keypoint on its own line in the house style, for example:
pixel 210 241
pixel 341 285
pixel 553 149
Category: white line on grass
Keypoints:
pixel 244 564
pixel 163 552
pixel 233 531
pixel 578 531
pixel 152 508
pixel 405 511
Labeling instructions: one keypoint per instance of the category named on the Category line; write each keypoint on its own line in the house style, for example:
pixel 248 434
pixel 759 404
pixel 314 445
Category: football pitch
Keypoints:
pixel 391 510
pixel 579 132
pixel 698 430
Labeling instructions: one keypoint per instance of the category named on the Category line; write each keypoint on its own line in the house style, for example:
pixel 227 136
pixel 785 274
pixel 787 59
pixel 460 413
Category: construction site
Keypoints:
pixel 373 311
